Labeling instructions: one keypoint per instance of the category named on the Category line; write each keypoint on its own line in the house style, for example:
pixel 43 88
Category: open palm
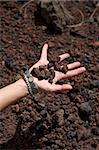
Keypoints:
pixel 44 84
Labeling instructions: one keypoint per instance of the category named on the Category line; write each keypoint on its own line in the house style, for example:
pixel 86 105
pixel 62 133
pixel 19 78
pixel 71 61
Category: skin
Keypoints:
pixel 13 92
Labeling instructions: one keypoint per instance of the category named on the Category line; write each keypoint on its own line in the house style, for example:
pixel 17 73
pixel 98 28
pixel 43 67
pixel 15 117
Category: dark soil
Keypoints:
pixel 68 120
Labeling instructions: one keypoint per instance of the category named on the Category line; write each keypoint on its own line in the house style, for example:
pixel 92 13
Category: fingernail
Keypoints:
pixel 84 69
pixel 71 88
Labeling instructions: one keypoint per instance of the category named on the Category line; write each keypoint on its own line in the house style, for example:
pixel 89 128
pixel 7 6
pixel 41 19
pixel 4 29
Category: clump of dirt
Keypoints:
pixel 47 72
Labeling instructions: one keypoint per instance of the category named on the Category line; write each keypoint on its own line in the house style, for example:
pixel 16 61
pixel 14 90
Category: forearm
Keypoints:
pixel 11 93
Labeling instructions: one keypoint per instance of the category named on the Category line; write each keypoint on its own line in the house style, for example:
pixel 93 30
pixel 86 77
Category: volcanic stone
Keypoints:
pixel 85 110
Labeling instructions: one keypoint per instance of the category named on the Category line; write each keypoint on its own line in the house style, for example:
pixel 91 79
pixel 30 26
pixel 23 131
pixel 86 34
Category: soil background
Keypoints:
pixel 67 120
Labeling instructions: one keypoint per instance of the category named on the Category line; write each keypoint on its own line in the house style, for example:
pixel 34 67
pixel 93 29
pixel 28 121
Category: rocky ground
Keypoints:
pixel 68 120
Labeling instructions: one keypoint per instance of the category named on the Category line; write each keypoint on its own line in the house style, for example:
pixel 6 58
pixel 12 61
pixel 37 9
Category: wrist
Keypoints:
pixel 23 86
pixel 30 81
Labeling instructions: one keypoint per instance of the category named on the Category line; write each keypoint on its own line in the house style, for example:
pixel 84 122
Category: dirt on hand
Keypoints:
pixel 47 72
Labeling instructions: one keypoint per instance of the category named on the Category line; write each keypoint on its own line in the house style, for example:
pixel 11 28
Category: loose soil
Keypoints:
pixel 67 120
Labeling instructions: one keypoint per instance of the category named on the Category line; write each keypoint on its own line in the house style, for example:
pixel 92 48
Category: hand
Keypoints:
pixel 44 84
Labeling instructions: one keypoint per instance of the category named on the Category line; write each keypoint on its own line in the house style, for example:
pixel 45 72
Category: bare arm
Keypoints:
pixel 13 92
pixel 17 90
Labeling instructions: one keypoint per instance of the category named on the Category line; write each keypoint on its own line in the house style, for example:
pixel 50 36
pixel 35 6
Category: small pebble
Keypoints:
pixel 64 69
pixel 57 66
pixel 17 108
pixel 50 64
pixel 41 67
pixel 85 108
pixel 60 117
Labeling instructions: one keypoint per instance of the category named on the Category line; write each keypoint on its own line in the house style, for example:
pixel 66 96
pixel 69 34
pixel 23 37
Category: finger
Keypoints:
pixel 44 52
pixel 34 66
pixel 59 75
pixel 74 72
pixel 63 56
pixel 57 87
pixel 73 65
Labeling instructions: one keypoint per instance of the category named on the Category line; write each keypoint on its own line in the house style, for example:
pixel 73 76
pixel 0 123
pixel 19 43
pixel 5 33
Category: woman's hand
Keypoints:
pixel 45 85
pixel 17 90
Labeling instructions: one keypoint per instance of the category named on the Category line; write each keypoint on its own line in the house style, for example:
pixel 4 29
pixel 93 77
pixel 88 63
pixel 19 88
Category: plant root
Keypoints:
pixel 24 6
pixel 97 7
pixel 79 24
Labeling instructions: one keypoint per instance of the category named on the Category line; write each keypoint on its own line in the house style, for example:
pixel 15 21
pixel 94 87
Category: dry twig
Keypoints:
pixel 79 24
pixel 25 6
pixel 97 7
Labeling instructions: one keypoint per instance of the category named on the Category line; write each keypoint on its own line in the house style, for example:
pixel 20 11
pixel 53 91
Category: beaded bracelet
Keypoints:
pixel 27 76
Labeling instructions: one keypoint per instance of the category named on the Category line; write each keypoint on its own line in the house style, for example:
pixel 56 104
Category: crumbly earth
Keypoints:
pixel 50 121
